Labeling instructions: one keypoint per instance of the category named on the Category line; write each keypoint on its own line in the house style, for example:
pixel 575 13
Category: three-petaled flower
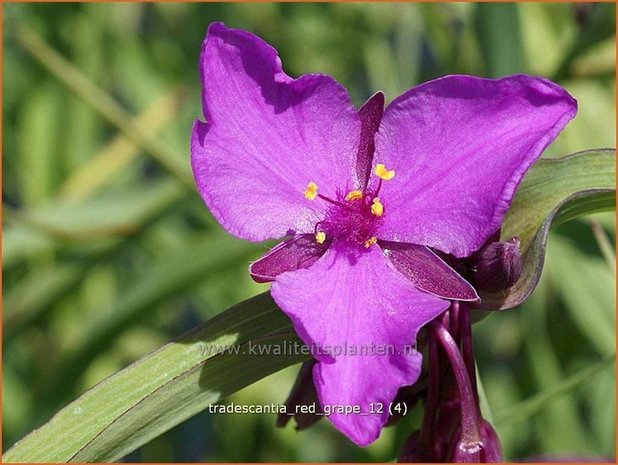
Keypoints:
pixel 363 197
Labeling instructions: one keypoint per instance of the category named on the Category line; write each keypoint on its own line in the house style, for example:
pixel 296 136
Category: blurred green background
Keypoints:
pixel 108 251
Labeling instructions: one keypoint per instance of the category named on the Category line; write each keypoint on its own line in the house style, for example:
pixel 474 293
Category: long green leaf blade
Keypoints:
pixel 168 386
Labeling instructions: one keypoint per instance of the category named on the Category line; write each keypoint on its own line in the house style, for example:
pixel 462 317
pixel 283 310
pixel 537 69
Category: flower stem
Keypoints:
pixel 454 325
pixel 470 434
pixel 467 347
pixel 431 402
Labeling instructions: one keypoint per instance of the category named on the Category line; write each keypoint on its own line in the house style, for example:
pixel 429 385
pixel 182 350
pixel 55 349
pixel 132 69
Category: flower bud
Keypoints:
pixel 492 450
pixel 486 450
pixel 497 265
pixel 302 394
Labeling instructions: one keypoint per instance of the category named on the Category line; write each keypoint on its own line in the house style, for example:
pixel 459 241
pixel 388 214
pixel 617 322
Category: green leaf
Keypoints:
pixel 554 191
pixel 166 387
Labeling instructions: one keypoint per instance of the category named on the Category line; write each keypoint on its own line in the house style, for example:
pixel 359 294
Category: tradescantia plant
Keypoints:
pixel 385 188
pixel 398 222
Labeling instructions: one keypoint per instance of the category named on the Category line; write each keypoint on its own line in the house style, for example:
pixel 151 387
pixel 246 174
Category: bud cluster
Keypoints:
pixel 453 428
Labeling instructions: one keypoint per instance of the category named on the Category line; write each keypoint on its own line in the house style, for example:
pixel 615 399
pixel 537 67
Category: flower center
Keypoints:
pixel 354 217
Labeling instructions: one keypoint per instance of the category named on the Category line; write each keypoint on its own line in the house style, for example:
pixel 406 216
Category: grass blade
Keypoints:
pixel 102 103
pixel 166 387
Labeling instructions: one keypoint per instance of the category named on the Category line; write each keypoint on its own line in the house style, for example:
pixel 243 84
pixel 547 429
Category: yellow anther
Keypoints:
pixel 377 208
pixel 383 173
pixel 354 195
pixel 369 242
pixel 312 191
pixel 320 237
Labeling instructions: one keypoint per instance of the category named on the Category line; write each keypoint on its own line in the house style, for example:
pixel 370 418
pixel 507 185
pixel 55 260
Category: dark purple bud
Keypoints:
pixel 497 265
pixel 302 403
pixel 466 452
pixel 486 450
pixel 492 450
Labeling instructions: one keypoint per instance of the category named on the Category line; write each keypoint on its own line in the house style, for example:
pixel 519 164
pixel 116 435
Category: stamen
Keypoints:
pixel 334 202
pixel 354 195
pixel 379 187
pixel 376 207
pixel 369 242
pixel 383 173
pixel 312 191
pixel 320 237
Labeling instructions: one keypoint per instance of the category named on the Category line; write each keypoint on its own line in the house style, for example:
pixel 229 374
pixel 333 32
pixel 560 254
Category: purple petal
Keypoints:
pixel 349 302
pixel 370 115
pixel 298 252
pixel 428 272
pixel 460 145
pixel 266 137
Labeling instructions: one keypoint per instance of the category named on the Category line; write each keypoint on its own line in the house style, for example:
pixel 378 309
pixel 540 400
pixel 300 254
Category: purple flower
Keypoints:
pixel 362 196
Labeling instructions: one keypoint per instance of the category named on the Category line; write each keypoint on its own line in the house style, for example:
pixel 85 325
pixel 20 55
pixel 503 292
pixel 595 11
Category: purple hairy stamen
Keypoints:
pixel 331 201
pixel 351 220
